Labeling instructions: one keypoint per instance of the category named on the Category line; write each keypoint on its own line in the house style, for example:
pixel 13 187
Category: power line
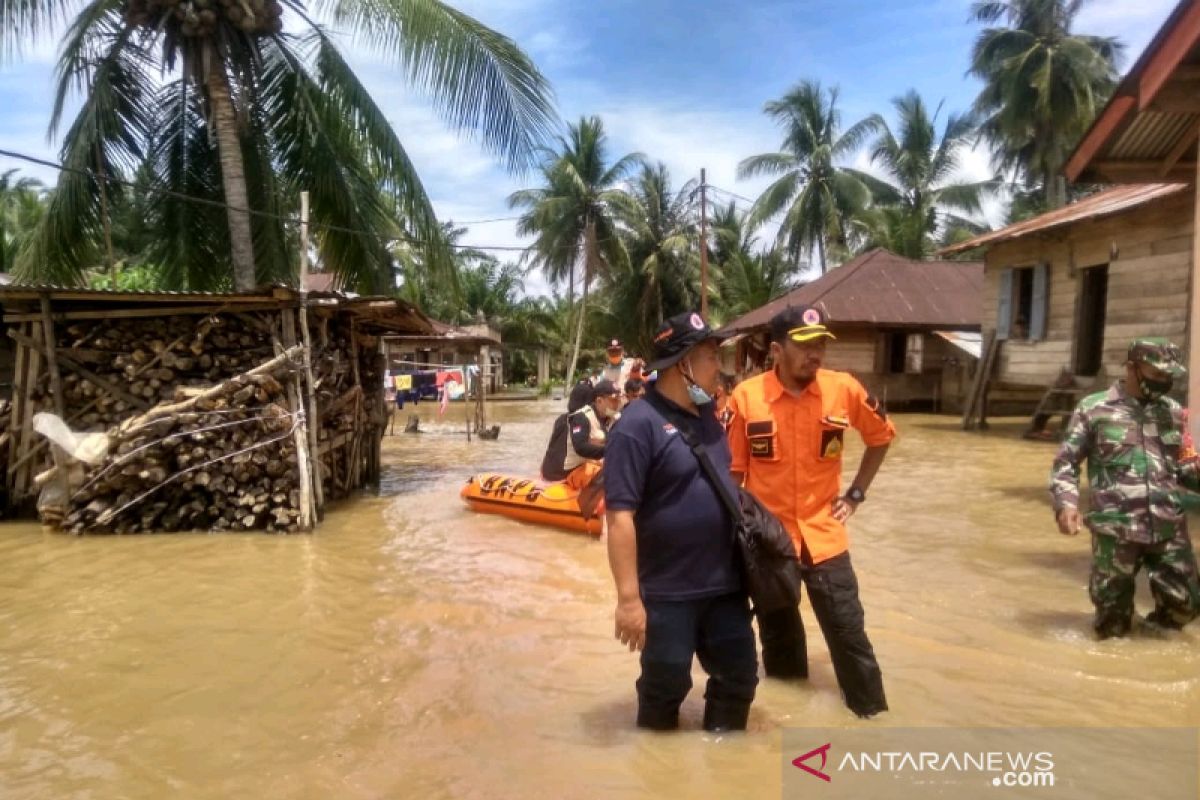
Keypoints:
pixel 223 205
pixel 731 194
pixel 482 221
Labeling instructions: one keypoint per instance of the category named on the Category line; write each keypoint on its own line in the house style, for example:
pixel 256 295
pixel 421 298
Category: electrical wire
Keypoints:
pixel 294 220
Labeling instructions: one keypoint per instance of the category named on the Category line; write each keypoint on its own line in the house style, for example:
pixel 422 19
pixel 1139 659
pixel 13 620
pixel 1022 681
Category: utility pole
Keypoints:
pixel 703 246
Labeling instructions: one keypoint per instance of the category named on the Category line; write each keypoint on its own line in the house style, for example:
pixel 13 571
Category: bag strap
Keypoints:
pixel 710 470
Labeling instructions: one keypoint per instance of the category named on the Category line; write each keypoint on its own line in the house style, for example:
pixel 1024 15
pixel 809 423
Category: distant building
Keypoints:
pixel 908 329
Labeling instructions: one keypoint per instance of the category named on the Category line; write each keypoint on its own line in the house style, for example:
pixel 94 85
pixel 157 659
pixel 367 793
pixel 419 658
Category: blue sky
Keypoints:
pixel 682 81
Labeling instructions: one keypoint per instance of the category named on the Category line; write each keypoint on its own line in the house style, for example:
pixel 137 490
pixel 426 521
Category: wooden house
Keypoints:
pixel 908 329
pixel 1148 132
pixel 1065 292
pixel 1068 290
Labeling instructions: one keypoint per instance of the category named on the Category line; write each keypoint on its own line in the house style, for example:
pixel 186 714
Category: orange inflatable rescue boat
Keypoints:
pixel 554 504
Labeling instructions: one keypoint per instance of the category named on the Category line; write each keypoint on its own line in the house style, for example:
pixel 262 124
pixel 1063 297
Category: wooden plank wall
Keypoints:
pixel 1147 286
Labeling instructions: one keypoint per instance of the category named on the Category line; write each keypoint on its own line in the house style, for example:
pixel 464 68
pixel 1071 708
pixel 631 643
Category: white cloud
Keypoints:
pixel 1133 22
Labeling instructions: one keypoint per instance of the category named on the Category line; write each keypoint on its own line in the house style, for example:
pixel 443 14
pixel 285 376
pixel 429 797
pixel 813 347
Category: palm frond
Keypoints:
pixel 479 79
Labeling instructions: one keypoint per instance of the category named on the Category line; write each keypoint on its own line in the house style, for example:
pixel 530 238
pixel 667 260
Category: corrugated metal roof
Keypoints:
pixel 970 342
pixel 1144 130
pixel 882 288
pixel 380 311
pixel 36 290
pixel 1102 204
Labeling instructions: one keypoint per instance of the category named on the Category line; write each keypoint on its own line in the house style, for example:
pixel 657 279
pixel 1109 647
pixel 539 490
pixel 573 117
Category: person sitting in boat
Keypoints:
pixel 617 367
pixel 588 428
pixel 556 451
pixel 635 389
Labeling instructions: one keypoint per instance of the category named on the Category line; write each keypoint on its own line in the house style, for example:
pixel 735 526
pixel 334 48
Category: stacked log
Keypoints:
pixel 6 437
pixel 149 358
pixel 218 459
pixel 201 437
pixel 338 365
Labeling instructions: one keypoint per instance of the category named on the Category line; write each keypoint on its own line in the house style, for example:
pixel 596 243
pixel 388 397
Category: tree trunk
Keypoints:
pixel 1054 187
pixel 821 253
pixel 233 178
pixel 589 254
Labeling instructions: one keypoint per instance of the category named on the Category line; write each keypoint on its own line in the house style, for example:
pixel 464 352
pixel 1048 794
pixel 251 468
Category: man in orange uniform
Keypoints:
pixel 786 435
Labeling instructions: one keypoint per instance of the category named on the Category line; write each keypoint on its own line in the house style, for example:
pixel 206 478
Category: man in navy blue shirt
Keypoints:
pixel 671 541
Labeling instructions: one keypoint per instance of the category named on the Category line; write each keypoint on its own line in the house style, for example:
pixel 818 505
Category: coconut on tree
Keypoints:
pixel 223 106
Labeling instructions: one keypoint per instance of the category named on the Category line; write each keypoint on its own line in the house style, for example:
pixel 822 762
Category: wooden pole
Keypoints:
pixel 703 245
pixel 314 421
pixel 466 398
pixel 1193 325
pixel 484 365
pixel 300 433
pixel 18 423
pixel 51 359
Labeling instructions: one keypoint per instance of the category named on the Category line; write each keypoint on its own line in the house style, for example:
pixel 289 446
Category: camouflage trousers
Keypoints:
pixel 1171 568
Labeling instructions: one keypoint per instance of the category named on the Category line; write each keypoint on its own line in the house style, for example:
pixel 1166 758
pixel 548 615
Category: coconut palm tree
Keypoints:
pixel 227 108
pixel 816 196
pixel 572 215
pixel 747 277
pixel 921 193
pixel 1043 85
pixel 22 201
pixel 661 275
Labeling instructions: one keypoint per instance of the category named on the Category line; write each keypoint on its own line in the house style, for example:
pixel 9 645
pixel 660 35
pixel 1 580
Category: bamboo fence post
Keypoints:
pixel 300 434
pixel 33 369
pixel 17 422
pixel 354 470
pixel 310 393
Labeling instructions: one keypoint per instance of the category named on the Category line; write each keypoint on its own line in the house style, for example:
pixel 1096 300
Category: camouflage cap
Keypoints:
pixel 1159 353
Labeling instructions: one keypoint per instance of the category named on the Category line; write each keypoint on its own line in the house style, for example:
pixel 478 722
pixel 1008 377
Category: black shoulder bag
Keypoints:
pixel 770 565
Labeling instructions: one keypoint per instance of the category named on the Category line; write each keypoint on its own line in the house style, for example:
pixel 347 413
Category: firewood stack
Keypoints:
pixel 203 414
pixel 5 440
pixel 149 358
pixel 339 372
pixel 220 459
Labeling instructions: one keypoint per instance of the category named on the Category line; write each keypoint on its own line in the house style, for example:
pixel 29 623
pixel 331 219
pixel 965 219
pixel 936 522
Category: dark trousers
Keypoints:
pixel 833 593
pixel 1171 566
pixel 717 630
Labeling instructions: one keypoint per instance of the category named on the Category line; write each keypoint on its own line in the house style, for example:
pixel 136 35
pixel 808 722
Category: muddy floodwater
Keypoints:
pixel 412 649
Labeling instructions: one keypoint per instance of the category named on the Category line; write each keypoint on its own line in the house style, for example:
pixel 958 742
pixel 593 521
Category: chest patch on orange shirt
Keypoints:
pixel 831 442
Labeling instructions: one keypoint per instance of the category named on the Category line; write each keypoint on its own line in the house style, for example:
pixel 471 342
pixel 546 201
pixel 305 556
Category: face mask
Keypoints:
pixel 696 394
pixel 1153 390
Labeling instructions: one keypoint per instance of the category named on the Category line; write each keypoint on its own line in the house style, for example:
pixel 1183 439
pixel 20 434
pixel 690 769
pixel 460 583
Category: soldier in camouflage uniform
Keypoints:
pixel 1139 456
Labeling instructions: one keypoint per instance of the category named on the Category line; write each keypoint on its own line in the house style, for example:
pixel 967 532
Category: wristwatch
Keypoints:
pixel 856 495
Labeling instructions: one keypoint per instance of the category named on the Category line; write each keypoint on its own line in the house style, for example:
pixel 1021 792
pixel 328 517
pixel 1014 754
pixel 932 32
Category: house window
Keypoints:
pixel 1023 303
pixel 895 352
pixel 447 358
pixel 914 354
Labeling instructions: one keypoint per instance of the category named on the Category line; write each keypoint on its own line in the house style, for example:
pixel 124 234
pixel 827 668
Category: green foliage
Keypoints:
pixel 22 203
pixel 304 121
pixel 1043 86
pixel 924 193
pixel 573 214
pixel 817 197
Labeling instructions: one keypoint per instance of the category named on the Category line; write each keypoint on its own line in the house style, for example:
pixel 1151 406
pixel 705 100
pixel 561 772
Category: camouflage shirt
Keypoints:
pixel 1134 468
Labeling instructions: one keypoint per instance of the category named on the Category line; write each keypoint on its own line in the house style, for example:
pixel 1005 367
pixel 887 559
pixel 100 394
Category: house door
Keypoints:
pixel 1089 326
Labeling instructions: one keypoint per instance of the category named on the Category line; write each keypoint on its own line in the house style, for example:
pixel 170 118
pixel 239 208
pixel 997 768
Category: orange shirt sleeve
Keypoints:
pixel 739 446
pixel 868 417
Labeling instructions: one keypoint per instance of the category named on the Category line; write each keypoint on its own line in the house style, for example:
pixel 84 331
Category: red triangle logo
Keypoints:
pixel 823 751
